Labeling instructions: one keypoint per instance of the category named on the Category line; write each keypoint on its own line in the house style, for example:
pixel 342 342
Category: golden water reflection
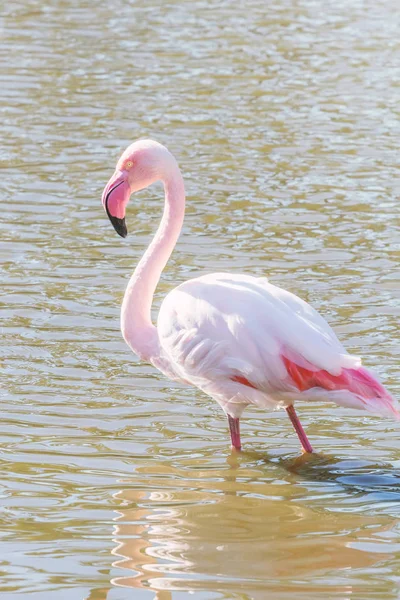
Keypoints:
pixel 196 525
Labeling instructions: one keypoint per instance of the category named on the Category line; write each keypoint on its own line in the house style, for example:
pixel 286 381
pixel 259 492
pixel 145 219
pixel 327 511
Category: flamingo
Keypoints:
pixel 238 338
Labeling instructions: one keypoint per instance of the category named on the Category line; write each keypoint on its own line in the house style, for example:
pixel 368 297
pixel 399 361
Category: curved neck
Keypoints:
pixel 137 328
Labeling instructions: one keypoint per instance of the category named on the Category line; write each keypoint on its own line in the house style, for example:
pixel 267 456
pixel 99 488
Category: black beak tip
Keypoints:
pixel 119 226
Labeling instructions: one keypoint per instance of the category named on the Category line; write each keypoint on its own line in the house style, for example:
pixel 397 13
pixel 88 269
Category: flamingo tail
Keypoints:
pixel 354 388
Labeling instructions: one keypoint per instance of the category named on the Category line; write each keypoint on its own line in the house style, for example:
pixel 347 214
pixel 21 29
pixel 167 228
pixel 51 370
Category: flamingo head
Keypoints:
pixel 141 164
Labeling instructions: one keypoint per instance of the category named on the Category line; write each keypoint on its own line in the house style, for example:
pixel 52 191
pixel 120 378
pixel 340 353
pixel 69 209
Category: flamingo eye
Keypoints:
pixel 128 164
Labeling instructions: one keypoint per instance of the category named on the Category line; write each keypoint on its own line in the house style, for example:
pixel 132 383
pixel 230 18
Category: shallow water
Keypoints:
pixel 116 482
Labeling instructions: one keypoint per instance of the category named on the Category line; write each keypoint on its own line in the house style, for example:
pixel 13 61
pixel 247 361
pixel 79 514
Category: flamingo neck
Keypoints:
pixel 136 324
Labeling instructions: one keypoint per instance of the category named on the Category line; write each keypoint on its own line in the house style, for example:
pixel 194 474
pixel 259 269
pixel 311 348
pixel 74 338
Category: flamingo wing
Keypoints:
pixel 245 340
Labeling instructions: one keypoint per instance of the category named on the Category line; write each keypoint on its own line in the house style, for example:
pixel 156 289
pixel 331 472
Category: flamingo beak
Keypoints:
pixel 115 197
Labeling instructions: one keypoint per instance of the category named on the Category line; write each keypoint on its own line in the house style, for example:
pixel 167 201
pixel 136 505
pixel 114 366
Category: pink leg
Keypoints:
pixel 298 429
pixel 235 432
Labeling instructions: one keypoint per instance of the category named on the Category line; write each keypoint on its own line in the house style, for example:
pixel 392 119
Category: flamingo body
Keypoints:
pixel 238 338
pixel 244 341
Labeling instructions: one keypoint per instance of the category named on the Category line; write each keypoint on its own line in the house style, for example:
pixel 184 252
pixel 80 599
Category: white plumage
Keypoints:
pixel 221 326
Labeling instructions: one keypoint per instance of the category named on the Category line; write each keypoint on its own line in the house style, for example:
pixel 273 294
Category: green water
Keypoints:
pixel 284 117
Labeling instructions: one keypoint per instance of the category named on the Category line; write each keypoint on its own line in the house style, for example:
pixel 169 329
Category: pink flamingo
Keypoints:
pixel 238 338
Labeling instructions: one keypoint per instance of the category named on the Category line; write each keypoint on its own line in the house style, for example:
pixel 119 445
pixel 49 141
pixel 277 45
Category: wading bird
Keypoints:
pixel 238 338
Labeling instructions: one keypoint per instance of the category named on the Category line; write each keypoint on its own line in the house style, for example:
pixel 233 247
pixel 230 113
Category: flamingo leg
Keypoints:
pixel 305 444
pixel 234 427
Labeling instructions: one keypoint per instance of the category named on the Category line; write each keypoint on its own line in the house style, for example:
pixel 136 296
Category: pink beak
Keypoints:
pixel 115 197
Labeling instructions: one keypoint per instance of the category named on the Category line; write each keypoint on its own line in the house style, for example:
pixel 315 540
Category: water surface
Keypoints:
pixel 284 117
